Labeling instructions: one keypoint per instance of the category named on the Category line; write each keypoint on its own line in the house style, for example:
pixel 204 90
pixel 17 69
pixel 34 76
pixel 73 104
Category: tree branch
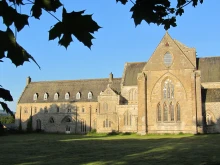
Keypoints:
pixel 46 11
pixel 132 2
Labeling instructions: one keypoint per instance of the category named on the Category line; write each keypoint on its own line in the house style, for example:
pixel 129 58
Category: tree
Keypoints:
pixel 160 12
pixel 7 119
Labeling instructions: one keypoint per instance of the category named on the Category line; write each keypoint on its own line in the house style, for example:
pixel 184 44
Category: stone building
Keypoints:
pixel 173 92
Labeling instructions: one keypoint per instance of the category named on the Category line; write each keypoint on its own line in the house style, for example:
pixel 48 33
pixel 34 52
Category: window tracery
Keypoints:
pixel 170 111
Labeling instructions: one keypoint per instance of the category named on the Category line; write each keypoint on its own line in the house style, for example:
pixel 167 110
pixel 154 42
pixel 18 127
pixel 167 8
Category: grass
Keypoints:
pixel 35 149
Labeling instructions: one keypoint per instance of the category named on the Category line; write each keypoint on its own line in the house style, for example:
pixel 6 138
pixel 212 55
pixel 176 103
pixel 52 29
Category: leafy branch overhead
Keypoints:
pixel 74 23
pixel 160 12
pixel 5 95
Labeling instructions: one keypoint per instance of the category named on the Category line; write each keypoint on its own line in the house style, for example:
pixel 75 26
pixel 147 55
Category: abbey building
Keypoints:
pixel 173 92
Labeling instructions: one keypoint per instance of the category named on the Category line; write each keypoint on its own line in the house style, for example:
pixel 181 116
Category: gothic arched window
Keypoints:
pixel 127 118
pixel 168 89
pixel 159 116
pixel 165 112
pixel 171 112
pixel 178 112
pixel 106 123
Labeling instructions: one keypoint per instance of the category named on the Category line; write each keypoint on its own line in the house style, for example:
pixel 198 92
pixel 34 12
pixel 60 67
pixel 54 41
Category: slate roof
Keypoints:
pixel 211 95
pixel 131 71
pixel 210 69
pixel 71 86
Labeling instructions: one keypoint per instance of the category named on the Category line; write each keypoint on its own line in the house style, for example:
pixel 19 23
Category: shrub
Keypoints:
pixel 126 133
pixel 113 133
pixel 1 129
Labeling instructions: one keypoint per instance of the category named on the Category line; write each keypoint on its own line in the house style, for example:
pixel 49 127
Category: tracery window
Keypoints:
pixel 159 115
pixel 168 89
pixel 106 123
pixel 178 118
pixel 127 118
pixel 171 109
pixel 165 112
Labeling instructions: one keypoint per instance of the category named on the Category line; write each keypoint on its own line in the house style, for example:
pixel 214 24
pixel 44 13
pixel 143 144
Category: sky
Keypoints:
pixel 117 42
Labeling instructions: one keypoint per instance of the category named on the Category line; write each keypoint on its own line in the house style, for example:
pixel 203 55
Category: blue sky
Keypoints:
pixel 118 42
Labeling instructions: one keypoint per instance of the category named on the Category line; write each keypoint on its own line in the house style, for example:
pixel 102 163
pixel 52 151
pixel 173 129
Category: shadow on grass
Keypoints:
pixel 131 149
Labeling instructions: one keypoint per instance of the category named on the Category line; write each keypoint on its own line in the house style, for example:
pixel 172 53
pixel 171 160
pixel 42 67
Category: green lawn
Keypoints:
pixel 26 149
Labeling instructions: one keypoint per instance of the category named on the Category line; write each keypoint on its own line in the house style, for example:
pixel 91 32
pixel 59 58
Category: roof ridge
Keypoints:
pixel 59 81
pixel 136 62
pixel 209 57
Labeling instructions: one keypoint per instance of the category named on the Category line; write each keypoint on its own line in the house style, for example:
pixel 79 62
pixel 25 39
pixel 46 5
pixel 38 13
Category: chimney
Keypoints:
pixel 110 77
pixel 28 80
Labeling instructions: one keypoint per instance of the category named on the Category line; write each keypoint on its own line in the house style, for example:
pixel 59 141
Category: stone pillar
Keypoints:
pixel 142 101
pixel 199 113
pixel 192 99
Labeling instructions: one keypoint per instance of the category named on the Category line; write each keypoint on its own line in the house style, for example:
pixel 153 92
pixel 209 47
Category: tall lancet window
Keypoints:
pixel 172 91
pixel 171 112
pixel 165 112
pixel 178 118
pixel 159 117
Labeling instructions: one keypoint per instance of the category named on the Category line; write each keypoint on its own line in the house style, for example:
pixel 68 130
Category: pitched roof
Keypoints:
pixel 131 71
pixel 71 86
pixel 210 95
pixel 210 69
